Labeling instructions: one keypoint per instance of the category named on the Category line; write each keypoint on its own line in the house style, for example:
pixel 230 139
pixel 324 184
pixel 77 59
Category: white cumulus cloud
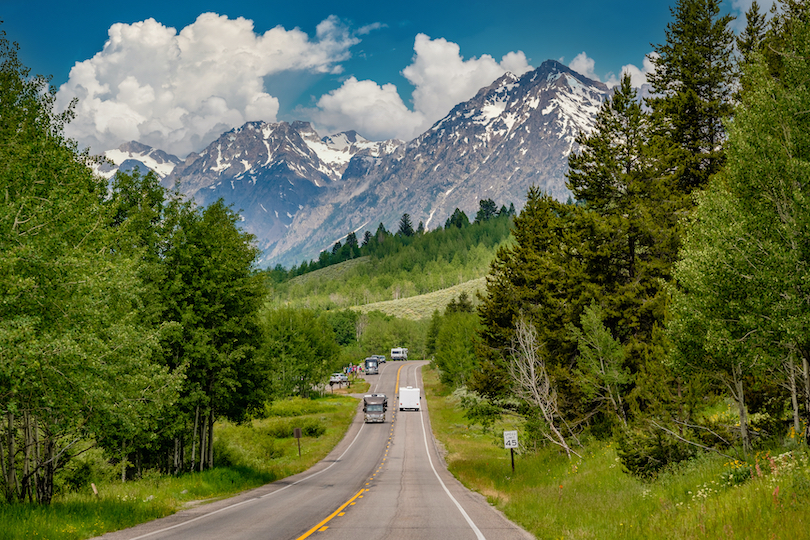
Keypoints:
pixel 179 91
pixel 585 65
pixel 376 112
pixel 441 77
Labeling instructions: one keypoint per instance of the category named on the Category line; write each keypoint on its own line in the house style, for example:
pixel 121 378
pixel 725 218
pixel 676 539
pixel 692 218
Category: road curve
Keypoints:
pixel 382 481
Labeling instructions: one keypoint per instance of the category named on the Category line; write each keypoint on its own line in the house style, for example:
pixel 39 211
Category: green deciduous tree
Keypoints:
pixel 742 300
pixel 602 372
pixel 75 361
pixel 213 293
pixel 301 350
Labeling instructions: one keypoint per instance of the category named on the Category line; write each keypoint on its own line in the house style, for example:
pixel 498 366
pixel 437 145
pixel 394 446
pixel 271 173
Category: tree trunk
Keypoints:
pixel 27 484
pixel 194 438
pixel 202 444
pixel 123 463
pixel 13 485
pixel 794 397
pixel 740 398
pixel 806 373
pixel 47 470
pixel 211 439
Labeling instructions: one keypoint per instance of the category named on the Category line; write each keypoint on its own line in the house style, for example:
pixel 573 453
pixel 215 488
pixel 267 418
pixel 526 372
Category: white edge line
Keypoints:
pixel 475 529
pixel 255 498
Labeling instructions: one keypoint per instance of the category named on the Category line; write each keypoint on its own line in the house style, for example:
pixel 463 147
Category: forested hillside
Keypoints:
pixel 390 266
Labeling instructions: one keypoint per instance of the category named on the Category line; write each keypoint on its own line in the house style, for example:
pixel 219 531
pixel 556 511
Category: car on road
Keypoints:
pixel 338 378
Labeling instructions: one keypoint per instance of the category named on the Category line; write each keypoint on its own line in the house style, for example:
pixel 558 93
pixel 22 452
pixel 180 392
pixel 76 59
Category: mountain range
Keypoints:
pixel 299 193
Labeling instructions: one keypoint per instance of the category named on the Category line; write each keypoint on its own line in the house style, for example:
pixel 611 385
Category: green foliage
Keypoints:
pixel 405 226
pixel 455 353
pixel 693 82
pixel 740 307
pixel 645 452
pixel 69 299
pixel 457 219
pixel 300 349
pixel 601 370
pixel 429 262
pixel 486 210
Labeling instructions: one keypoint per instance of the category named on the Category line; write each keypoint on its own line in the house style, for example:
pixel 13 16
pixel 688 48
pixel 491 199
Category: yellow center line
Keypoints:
pixel 336 512
pixel 359 494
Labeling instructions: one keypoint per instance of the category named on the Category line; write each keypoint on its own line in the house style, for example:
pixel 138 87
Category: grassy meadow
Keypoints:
pixel 552 497
pixel 247 456
pixel 423 306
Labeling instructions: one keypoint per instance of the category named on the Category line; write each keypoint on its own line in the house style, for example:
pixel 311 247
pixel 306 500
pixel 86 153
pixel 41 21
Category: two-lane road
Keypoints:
pixel 382 481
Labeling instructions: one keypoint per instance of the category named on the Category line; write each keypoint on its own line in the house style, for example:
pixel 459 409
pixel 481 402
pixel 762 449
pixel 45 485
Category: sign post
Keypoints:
pixel 297 435
pixel 510 441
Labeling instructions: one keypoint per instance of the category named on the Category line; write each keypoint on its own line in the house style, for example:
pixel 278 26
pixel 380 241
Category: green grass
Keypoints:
pixel 593 498
pixel 422 306
pixel 254 454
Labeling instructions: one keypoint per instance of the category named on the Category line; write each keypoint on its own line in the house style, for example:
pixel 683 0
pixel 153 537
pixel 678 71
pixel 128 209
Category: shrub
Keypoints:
pixel 296 406
pixel 286 428
pixel 645 452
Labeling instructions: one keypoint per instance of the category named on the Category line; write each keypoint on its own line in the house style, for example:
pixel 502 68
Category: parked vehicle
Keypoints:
pixel 410 398
pixel 338 378
pixel 399 353
pixel 374 407
pixel 372 365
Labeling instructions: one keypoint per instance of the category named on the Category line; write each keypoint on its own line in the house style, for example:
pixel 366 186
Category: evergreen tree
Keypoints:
pixel 462 304
pixel 351 241
pixel 381 233
pixel 692 84
pixel 486 210
pixel 405 226
pixel 751 38
pixel 458 219
pixel 366 238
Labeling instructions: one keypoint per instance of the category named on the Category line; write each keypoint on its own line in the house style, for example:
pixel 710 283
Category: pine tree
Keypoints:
pixel 751 38
pixel 486 211
pixel 405 226
pixel 692 85
pixel 457 219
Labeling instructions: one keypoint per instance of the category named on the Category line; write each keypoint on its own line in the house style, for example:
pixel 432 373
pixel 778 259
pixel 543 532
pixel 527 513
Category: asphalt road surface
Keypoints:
pixel 382 481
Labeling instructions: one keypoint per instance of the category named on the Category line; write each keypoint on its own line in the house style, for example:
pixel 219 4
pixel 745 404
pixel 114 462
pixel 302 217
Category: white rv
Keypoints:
pixel 410 398
pixel 399 353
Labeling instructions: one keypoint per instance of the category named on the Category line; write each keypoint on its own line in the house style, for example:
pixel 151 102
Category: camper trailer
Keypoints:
pixel 410 398
pixel 399 353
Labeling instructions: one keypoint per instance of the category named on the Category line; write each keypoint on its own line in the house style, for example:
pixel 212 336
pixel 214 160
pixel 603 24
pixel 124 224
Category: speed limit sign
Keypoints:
pixel 510 439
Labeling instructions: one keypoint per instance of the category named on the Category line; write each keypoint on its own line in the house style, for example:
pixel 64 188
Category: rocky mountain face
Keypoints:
pixel 515 133
pixel 299 193
pixel 133 154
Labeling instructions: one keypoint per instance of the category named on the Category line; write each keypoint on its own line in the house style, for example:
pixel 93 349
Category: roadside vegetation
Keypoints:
pixel 593 496
pixel 246 456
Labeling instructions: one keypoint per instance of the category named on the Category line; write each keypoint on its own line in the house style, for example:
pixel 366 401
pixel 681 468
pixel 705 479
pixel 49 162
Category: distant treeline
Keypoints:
pixel 384 243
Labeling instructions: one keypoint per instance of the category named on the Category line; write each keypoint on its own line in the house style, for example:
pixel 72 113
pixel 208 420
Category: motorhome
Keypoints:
pixel 374 407
pixel 372 365
pixel 399 353
pixel 410 398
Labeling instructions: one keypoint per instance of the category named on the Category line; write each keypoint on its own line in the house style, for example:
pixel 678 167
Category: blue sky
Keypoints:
pixel 176 74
